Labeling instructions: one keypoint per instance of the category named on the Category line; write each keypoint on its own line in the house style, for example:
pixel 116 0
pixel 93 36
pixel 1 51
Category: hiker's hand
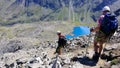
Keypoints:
pixel 91 29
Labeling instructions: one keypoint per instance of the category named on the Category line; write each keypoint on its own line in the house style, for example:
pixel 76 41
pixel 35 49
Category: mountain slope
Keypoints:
pixel 19 11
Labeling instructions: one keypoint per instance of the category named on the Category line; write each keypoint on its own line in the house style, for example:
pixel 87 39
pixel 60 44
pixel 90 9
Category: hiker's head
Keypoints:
pixel 106 9
pixel 58 32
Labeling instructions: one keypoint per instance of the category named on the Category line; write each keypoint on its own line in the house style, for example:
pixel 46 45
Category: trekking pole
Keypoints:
pixel 88 43
pixel 56 63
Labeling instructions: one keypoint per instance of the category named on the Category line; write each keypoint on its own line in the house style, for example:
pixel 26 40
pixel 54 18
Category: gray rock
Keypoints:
pixel 115 66
pixel 7 66
pixel 106 65
pixel 77 65
pixel 35 65
pixel 66 61
pixel 12 46
pixel 108 48
pixel 2 64
pixel 21 61
pixel 32 61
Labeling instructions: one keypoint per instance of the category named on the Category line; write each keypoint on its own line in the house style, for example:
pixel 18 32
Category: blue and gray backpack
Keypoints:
pixel 109 24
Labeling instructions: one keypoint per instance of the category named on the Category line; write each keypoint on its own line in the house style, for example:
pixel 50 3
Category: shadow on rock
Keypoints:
pixel 109 57
pixel 85 61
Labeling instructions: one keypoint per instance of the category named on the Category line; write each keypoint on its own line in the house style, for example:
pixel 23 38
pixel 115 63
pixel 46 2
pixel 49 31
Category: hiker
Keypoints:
pixel 61 42
pixel 101 36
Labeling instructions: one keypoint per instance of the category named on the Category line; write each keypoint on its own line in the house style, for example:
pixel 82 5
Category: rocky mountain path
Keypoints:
pixel 79 52
pixel 31 47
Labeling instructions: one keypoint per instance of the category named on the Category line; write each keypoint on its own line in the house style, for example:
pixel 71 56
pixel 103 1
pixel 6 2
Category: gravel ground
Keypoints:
pixel 32 46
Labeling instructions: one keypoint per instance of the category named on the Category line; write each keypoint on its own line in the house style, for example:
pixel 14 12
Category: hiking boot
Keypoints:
pixel 103 56
pixel 96 56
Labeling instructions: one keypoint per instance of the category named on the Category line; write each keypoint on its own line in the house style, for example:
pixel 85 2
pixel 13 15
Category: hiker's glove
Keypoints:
pixel 91 29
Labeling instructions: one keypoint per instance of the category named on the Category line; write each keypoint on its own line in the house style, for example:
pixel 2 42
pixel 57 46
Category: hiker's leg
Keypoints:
pixel 57 49
pixel 100 47
pixel 60 50
pixel 96 54
pixel 96 41
pixel 96 46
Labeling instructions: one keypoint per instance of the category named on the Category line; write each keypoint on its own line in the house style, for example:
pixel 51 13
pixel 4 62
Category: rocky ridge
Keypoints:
pixel 17 54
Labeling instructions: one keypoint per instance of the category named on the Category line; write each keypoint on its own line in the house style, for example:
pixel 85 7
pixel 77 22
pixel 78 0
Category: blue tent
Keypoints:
pixel 78 31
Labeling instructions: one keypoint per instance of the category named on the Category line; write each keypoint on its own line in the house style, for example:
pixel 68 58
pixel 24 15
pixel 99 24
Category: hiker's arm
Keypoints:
pixel 95 28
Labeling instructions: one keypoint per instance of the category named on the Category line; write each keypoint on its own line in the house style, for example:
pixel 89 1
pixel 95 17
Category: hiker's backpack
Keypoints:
pixel 62 41
pixel 109 24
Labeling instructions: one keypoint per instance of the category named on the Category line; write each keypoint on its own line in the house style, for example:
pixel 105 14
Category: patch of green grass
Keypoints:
pixel 8 33
pixel 85 24
pixel 114 62
pixel 62 14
